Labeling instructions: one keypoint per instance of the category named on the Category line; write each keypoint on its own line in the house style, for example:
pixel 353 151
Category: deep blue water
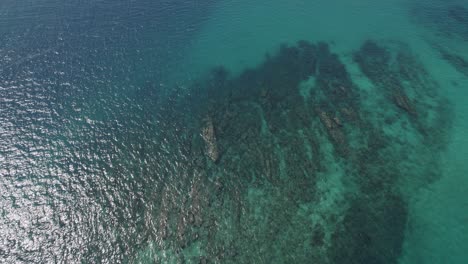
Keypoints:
pixel 139 131
pixel 81 147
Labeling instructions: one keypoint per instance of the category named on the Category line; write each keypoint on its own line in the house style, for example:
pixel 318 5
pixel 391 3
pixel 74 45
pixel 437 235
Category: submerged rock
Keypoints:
pixel 403 102
pixel 333 127
pixel 208 135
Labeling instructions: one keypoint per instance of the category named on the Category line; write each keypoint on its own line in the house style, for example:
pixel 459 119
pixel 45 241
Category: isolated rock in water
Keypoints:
pixel 208 135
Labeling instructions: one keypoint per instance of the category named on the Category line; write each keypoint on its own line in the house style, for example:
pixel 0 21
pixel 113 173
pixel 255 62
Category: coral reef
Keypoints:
pixel 312 167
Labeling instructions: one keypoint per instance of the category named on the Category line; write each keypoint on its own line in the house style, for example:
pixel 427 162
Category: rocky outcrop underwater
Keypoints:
pixel 297 161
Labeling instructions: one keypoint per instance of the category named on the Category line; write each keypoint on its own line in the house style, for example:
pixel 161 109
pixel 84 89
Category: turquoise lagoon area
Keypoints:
pixel 233 131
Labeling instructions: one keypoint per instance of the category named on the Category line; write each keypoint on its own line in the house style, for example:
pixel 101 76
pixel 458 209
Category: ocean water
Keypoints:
pixel 233 131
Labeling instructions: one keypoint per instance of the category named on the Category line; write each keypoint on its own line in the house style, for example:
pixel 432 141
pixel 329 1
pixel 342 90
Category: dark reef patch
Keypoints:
pixel 447 20
pixel 457 61
pixel 458 13
pixel 377 235
pixel 291 162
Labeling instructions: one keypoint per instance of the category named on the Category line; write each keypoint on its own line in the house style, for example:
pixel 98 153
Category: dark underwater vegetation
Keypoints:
pixel 294 162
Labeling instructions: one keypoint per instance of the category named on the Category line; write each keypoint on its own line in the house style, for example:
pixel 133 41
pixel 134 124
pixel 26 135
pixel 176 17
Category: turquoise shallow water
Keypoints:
pixel 233 131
